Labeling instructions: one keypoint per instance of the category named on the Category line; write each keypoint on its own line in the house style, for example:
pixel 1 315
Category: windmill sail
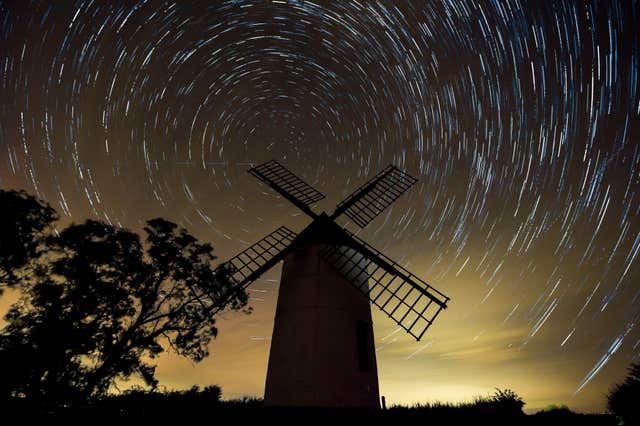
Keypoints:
pixel 253 261
pixel 409 301
pixel 247 266
pixel 368 201
pixel 288 185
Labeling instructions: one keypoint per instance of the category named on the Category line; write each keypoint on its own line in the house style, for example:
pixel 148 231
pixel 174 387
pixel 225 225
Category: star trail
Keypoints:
pixel 521 120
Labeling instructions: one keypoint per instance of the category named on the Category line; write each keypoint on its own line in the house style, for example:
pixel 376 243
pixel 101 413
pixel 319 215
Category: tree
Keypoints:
pixel 24 221
pixel 624 397
pixel 100 304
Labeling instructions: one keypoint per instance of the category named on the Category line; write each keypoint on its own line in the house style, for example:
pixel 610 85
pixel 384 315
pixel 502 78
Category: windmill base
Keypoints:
pixel 322 350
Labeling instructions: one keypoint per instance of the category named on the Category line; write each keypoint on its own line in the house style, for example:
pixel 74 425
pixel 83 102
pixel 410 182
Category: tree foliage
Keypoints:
pixel 101 304
pixel 623 399
pixel 23 224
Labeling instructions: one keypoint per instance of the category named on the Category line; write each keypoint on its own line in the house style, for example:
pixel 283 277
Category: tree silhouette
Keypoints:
pixel 23 222
pixel 100 304
pixel 624 397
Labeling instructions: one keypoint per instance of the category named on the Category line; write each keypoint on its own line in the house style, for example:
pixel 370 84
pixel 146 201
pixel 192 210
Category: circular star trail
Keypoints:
pixel 520 119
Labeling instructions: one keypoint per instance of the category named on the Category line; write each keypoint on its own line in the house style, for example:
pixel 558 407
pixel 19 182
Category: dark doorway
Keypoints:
pixel 362 341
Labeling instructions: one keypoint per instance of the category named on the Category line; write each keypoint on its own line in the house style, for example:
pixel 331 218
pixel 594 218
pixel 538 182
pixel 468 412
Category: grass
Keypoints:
pixel 504 407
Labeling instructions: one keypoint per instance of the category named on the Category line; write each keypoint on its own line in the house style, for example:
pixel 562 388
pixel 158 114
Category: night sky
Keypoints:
pixel 521 120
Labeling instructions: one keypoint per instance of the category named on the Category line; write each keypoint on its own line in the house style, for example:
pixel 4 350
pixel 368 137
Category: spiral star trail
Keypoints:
pixel 520 119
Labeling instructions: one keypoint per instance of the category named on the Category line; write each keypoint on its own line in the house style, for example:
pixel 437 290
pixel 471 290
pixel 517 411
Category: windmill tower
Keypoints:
pixel 322 349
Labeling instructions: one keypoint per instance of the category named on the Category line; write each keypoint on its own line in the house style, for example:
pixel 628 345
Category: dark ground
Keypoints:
pixel 243 412
pixel 195 405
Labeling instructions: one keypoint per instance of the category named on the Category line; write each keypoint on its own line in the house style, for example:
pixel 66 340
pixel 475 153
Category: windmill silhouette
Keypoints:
pixel 322 349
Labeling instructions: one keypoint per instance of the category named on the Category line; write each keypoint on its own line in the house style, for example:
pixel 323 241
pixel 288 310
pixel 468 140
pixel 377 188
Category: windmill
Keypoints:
pixel 322 349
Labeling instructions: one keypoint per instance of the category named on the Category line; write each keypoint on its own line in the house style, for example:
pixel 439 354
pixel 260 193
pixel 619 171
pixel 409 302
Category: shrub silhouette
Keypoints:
pixel 503 404
pixel 507 401
pixel 556 409
pixel 624 398
pixel 138 401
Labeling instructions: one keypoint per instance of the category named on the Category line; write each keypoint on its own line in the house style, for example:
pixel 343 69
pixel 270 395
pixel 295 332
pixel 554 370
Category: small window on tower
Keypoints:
pixel 362 344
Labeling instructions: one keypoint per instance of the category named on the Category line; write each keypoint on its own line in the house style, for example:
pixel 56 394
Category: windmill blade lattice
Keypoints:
pixel 252 262
pixel 288 185
pixel 368 201
pixel 409 301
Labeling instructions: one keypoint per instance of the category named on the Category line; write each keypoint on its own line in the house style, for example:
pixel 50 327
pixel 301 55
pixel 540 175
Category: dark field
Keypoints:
pixel 189 406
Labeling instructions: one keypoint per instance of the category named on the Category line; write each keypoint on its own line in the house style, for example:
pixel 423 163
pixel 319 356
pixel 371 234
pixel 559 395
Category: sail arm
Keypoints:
pixel 251 263
pixel 372 198
pixel 406 299
pixel 290 186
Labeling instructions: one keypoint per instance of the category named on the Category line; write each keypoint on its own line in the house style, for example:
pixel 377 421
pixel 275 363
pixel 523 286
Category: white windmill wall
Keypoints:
pixel 322 349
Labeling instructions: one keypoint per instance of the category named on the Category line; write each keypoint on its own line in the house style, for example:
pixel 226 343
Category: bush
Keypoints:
pixel 553 408
pixel 139 401
pixel 504 404
pixel 623 399
pixel 507 401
